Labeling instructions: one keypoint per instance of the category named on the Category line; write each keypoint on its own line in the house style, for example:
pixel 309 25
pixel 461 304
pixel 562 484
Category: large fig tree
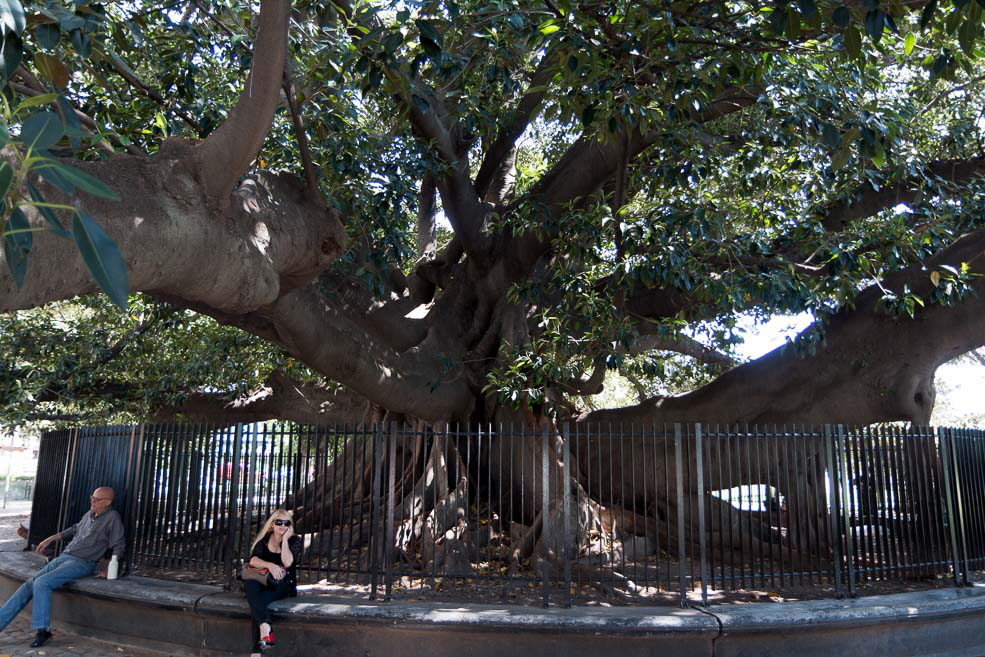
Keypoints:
pixel 473 212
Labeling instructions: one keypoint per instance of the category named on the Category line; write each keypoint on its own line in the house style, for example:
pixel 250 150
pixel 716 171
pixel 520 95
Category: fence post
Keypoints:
pixel 390 494
pixel 134 464
pixel 846 511
pixel 250 471
pixel 375 517
pixel 679 459
pixel 959 500
pixel 946 454
pixel 545 516
pixel 566 513
pixel 232 546
pixel 834 512
pixel 699 461
pixel 67 480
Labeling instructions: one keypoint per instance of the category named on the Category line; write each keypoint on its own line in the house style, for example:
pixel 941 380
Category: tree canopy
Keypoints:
pixel 473 210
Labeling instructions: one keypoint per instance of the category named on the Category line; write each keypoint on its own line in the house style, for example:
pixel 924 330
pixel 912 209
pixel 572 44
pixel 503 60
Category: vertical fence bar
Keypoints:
pixel 846 512
pixel 972 442
pixel 391 493
pixel 566 513
pixel 232 548
pixel 944 454
pixel 959 503
pixel 250 471
pixel 135 467
pixel 833 512
pixel 702 541
pixel 679 469
pixel 375 517
pixel 545 516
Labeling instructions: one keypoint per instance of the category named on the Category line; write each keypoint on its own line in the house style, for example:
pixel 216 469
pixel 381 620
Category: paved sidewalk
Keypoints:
pixel 15 641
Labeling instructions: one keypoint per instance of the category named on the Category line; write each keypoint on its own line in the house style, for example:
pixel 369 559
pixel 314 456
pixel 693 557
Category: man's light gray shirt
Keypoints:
pixel 91 536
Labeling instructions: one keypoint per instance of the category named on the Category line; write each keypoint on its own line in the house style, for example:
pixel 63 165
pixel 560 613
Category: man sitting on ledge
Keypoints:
pixel 97 531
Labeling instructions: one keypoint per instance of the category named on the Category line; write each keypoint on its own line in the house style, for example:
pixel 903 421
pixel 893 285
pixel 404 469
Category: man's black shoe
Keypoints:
pixel 41 638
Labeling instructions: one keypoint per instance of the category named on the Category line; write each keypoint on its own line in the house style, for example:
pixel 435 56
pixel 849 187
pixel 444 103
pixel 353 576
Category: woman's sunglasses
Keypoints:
pixel 282 523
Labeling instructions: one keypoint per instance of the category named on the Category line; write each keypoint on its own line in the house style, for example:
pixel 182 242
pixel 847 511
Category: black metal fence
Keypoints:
pixel 680 511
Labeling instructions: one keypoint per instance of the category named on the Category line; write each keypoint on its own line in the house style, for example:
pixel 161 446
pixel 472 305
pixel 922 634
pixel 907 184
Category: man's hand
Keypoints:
pixel 43 545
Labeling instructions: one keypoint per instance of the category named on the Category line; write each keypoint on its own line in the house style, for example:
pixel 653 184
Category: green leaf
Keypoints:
pixel 966 37
pixel 48 35
pixel 69 22
pixel 53 177
pixel 122 65
pixel 54 224
pixel 6 177
pixel 81 43
pixel 852 40
pixel 793 25
pixel 42 130
pixel 73 129
pixel 34 101
pixel 927 14
pixel 83 181
pixel 778 19
pixel 11 53
pixel 841 17
pixel 431 39
pixel 874 24
pixel 808 8
pixel 104 260
pixel 831 135
pixel 12 16
pixel 161 123
pixel 908 43
pixel 16 245
pixel 52 69
pixel 878 155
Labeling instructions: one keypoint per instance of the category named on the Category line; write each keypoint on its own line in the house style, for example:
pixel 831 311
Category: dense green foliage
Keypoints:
pixel 735 215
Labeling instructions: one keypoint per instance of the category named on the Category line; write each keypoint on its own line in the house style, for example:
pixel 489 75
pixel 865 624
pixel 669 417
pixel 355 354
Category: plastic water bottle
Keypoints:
pixel 113 570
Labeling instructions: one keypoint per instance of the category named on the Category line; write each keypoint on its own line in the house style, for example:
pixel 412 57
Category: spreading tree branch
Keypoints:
pixel 682 344
pixel 498 152
pixel 228 152
pixel 872 365
pixel 867 201
pixel 301 134
pixel 280 398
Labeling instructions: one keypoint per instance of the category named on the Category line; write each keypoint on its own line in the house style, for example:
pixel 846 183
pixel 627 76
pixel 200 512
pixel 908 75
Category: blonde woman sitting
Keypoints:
pixel 277 549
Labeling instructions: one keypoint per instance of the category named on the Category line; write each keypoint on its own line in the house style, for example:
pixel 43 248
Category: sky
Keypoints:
pixel 960 386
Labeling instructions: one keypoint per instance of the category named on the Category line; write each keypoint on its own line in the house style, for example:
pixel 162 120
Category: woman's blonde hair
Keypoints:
pixel 270 523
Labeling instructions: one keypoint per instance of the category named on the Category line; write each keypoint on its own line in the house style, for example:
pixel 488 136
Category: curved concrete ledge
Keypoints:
pixel 197 620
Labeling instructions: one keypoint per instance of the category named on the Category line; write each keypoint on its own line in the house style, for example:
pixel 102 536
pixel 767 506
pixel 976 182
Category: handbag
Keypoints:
pixel 261 575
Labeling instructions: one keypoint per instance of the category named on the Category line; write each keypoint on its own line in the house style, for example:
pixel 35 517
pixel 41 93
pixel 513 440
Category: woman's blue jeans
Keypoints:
pixel 59 570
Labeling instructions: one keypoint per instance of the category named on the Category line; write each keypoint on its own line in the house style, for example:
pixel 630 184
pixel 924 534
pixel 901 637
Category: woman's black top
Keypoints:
pixel 264 552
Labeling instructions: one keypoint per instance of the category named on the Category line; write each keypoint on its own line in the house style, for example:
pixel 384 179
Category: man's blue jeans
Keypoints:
pixel 60 570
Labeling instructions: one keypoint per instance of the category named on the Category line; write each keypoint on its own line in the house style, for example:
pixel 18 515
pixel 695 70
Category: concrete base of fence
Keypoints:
pixel 204 621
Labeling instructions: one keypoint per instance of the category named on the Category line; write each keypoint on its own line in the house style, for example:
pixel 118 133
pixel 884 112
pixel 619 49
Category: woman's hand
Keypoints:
pixel 288 534
pixel 276 571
